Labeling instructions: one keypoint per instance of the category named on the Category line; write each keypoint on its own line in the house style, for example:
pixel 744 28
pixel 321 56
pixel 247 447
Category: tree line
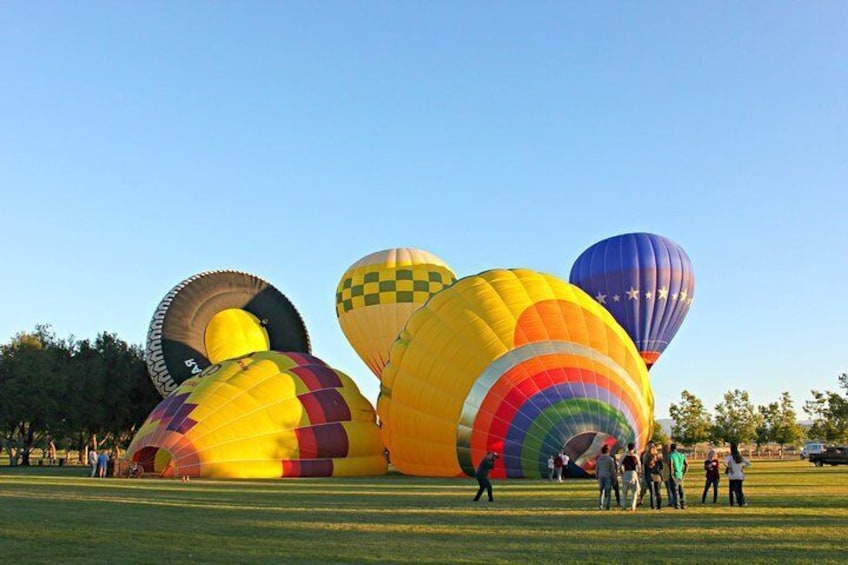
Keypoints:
pixel 81 393
pixel 736 420
pixel 76 393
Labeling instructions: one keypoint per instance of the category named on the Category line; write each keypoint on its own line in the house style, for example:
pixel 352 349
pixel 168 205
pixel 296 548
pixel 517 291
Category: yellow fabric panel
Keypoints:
pixel 234 333
pixel 359 466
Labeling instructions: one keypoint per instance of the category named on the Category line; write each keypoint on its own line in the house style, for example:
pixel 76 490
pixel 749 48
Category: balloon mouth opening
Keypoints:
pixel 583 448
pixel 156 460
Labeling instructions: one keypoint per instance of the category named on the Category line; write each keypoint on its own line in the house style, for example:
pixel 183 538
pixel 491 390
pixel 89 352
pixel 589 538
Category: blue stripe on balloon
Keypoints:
pixel 533 407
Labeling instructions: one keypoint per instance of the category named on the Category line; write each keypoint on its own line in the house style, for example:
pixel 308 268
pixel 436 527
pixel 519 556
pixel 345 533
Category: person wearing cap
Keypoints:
pixel 482 475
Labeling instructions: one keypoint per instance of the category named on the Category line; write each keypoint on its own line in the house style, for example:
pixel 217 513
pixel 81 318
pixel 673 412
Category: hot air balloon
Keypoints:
pixel 378 293
pixel 264 415
pixel 647 283
pixel 214 316
pixel 516 362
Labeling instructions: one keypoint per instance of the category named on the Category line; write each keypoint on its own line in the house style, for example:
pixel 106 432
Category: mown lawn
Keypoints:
pixel 49 515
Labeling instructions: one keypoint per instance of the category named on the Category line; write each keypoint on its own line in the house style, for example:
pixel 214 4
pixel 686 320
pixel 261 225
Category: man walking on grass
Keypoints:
pixel 482 475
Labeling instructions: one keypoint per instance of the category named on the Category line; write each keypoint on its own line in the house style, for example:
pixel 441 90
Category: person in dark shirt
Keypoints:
pixel 482 475
pixel 711 469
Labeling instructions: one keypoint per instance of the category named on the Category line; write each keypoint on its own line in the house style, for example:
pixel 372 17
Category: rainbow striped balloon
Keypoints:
pixel 516 362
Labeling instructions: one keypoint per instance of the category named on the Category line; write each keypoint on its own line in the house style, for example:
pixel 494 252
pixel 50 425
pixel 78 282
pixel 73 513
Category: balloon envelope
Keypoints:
pixel 265 415
pixel 645 280
pixel 516 362
pixel 378 294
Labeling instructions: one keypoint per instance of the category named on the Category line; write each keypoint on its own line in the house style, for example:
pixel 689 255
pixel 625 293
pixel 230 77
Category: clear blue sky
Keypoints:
pixel 141 143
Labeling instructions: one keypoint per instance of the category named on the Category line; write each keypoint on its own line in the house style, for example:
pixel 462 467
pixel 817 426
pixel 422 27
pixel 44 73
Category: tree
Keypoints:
pixel 736 419
pixel 78 390
pixel 829 412
pixel 31 366
pixel 691 421
pixel 783 422
pixel 109 393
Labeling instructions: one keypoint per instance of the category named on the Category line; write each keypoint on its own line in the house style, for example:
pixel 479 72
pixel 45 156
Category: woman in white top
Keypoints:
pixel 734 465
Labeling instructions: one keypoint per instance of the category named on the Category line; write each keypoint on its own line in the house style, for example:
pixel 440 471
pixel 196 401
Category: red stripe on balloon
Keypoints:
pixel 307 468
pixel 324 406
pixel 316 377
pixel 507 397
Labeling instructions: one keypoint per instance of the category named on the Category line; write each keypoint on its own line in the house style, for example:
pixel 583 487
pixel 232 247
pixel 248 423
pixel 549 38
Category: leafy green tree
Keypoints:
pixel 765 432
pixel 691 420
pixel 735 419
pixel 89 391
pixel 785 429
pixel 31 368
pixel 109 393
pixel 829 412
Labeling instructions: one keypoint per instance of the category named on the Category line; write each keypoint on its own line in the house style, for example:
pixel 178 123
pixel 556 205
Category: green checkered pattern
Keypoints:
pixel 366 286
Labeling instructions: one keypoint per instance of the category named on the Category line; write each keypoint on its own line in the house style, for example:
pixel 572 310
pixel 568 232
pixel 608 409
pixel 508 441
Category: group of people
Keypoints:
pixel 667 467
pixel 556 464
pixel 643 473
pixel 99 463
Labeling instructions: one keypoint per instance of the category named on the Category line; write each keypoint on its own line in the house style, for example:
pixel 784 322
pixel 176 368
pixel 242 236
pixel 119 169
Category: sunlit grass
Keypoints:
pixel 797 513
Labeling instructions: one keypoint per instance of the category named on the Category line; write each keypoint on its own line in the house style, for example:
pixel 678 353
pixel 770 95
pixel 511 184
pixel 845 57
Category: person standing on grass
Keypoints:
pixel 551 467
pixel 711 470
pixel 51 452
pixel 655 475
pixel 735 464
pixel 666 473
pixel 558 466
pixel 679 466
pixel 565 461
pixel 632 471
pixel 92 461
pixel 482 475
pixel 102 463
pixel 644 476
pixel 616 488
pixel 605 470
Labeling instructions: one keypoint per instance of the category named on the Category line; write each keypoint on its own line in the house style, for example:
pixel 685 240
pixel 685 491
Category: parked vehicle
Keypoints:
pixel 832 455
pixel 812 448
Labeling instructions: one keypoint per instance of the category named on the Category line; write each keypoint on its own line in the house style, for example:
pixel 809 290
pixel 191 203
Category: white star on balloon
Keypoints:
pixel 663 293
pixel 633 294
pixel 674 296
pixel 649 295
pixel 683 294
pixel 616 298
pixel 601 298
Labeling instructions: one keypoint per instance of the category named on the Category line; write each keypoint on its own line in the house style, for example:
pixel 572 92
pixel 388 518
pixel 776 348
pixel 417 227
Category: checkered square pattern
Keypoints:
pixel 365 287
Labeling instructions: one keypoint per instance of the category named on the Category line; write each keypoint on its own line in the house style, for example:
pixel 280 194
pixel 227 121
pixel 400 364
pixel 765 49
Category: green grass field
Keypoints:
pixel 798 513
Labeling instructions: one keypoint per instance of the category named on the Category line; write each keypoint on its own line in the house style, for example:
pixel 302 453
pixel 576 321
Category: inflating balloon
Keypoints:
pixel 265 415
pixel 214 316
pixel 516 362
pixel 378 294
pixel 647 283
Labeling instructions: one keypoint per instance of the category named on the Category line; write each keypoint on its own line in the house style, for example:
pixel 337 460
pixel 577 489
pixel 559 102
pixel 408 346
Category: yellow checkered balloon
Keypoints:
pixel 378 294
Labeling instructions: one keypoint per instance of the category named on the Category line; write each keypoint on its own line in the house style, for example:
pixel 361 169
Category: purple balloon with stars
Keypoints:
pixel 645 281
